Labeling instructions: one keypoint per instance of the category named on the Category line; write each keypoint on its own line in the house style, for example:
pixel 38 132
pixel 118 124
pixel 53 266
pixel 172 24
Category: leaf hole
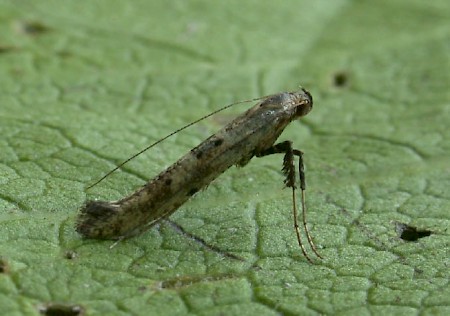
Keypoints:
pixel 340 79
pixel 411 233
pixel 61 310
pixel 70 254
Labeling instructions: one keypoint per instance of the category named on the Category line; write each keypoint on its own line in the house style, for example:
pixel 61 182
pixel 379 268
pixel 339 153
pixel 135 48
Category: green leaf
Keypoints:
pixel 84 85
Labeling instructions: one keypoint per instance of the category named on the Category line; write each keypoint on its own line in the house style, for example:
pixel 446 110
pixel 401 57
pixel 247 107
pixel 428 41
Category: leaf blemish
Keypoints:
pixel 70 254
pixel 33 28
pixel 340 79
pixel 3 266
pixel 61 309
pixel 411 233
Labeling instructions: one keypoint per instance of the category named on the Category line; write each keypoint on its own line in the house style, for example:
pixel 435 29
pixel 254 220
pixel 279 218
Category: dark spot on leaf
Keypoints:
pixel 411 233
pixel 64 54
pixel 61 310
pixel 218 142
pixel 70 254
pixel 340 79
pixel 3 266
pixel 33 28
pixel 418 271
pixel 168 182
pixel 6 49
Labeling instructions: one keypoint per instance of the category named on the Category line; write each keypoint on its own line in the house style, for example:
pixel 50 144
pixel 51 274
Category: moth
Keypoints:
pixel 252 134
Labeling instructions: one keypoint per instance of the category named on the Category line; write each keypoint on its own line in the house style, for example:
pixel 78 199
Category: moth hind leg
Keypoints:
pixel 289 171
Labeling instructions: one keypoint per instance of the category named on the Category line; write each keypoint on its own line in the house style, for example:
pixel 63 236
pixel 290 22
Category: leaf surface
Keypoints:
pixel 84 85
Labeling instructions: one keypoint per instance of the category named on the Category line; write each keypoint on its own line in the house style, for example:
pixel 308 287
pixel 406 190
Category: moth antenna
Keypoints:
pixel 169 135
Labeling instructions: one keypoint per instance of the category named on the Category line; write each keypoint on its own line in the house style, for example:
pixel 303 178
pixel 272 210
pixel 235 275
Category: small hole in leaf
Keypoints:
pixel 340 79
pixel 61 310
pixel 70 254
pixel 411 233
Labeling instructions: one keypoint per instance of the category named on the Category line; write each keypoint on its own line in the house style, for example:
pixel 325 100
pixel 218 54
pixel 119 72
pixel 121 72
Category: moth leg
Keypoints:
pixel 289 171
pixel 201 241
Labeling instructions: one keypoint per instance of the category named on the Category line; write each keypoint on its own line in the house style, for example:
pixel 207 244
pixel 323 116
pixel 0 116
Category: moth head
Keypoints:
pixel 304 102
